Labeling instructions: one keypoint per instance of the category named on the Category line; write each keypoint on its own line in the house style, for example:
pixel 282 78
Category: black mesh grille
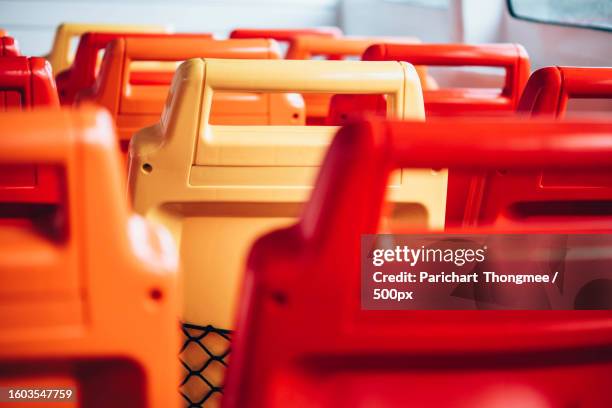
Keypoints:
pixel 204 358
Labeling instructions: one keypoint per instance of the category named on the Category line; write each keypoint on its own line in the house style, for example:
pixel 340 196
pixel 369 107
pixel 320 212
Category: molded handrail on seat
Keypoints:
pixel 447 102
pixel 60 57
pixel 82 74
pixel 548 90
pixel 400 357
pixel 273 76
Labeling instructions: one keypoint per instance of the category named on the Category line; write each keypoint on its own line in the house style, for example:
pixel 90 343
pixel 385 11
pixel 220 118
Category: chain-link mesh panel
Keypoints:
pixel 204 358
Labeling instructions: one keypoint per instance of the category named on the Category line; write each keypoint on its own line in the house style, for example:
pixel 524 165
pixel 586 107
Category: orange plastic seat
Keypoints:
pixel 549 89
pixel 308 47
pixel 8 47
pixel 61 56
pixel 88 295
pixel 26 83
pixel 135 106
pixel 284 34
pixel 84 69
pixel 446 101
pixel 304 340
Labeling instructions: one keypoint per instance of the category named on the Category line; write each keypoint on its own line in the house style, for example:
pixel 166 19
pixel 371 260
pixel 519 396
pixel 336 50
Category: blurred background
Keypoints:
pixel 33 22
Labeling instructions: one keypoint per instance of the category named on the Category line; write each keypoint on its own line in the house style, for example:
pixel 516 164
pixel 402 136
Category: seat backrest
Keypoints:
pixel 26 83
pixel 8 47
pixel 308 47
pixel 81 293
pixel 136 105
pixel 303 338
pixel 546 93
pixel 446 101
pixel 216 187
pixel 549 89
pixel 61 56
pixel 84 69
pixel 264 171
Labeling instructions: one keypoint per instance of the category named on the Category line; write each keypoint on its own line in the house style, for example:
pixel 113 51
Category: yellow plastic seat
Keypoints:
pixel 60 55
pixel 217 187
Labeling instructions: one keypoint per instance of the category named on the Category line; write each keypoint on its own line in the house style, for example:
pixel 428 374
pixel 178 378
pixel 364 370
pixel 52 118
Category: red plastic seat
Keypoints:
pixel 549 89
pixel 303 340
pixel 447 101
pixel 88 290
pixel 546 93
pixel 26 83
pixel 83 72
pixel 8 47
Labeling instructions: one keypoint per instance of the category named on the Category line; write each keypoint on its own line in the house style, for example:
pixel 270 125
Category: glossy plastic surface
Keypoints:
pixel 217 187
pixel 8 47
pixel 307 47
pixel 26 83
pixel 549 89
pixel 60 55
pixel 446 101
pixel 135 106
pixel 302 339
pixel 84 69
pixel 89 295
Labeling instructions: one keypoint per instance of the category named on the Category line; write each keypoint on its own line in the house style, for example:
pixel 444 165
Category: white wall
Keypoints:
pixel 555 45
pixel 384 17
pixel 33 22
pixel 477 21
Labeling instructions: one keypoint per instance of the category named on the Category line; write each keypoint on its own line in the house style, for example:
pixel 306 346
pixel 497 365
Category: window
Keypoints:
pixel 579 13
